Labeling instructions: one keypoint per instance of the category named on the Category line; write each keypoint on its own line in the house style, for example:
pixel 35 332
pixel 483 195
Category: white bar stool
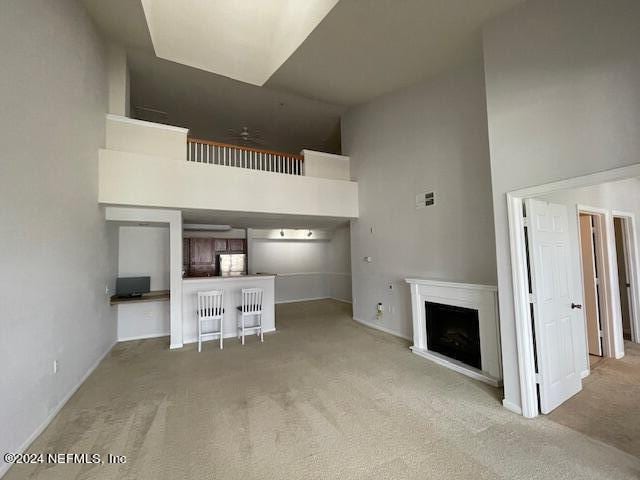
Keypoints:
pixel 210 307
pixel 251 306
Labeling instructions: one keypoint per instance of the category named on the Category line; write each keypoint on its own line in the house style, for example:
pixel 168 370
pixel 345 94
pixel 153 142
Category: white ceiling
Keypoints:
pixel 246 41
pixel 360 50
pixel 364 48
pixel 209 105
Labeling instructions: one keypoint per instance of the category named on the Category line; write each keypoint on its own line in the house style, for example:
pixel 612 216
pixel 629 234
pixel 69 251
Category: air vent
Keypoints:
pixel 426 199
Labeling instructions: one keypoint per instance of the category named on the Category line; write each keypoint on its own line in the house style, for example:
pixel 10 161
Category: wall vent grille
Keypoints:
pixel 426 199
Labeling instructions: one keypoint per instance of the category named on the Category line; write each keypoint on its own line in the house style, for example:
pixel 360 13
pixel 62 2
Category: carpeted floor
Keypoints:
pixel 324 397
pixel 608 407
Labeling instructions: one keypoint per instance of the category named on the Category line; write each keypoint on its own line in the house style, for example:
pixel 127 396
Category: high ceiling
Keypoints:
pixel 365 48
pixel 361 49
pixel 210 105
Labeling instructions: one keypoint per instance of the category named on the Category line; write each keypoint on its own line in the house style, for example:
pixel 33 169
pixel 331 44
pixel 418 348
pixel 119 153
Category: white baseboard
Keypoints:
pixel 6 466
pixel 341 300
pixel 301 300
pixel 512 407
pixel 382 329
pixel 585 373
pixel 143 337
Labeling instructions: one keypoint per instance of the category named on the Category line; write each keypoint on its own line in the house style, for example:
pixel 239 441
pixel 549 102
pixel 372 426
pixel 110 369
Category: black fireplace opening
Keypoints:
pixel 454 332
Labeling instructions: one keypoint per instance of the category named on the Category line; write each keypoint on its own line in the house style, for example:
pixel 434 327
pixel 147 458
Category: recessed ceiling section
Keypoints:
pixel 246 41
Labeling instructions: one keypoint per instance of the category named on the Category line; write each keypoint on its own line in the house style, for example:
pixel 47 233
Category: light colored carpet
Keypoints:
pixel 608 407
pixel 323 398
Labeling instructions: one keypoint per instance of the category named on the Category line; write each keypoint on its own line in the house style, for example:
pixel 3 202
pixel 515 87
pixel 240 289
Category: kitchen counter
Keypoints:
pixel 223 277
pixel 232 287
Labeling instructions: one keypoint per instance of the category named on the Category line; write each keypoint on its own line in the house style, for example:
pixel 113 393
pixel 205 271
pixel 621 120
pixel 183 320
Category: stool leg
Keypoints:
pixel 221 332
pixel 261 335
pixel 199 335
pixel 242 329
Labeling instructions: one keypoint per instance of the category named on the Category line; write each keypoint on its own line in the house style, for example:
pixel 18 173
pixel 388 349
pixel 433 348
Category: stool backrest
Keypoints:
pixel 210 304
pixel 252 300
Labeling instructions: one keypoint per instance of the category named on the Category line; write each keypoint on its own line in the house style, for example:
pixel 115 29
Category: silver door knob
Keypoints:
pixel 576 305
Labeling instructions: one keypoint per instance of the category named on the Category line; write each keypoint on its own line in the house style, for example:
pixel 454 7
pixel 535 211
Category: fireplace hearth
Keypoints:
pixel 454 332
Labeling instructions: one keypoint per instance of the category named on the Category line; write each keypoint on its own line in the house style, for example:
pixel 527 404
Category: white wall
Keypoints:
pixel 56 251
pixel 147 180
pixel 430 137
pixel 338 264
pixel 142 252
pixel 562 101
pixel 306 269
pixel 172 219
pixel 118 80
pixel 326 165
pixel 136 136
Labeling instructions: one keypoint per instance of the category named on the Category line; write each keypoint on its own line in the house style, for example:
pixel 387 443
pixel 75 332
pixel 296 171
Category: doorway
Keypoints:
pixel 543 337
pixel 623 227
pixel 593 253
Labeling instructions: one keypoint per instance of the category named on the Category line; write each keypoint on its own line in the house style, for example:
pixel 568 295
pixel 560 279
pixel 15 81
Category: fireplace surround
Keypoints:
pixel 456 325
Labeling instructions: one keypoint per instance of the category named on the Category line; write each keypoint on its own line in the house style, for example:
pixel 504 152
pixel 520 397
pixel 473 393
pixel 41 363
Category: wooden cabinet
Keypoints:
pixel 200 255
pixel 236 245
pixel 203 258
pixel 220 245
pixel 185 255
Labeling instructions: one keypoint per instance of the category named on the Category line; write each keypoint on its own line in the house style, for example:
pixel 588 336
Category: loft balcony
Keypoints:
pixel 153 165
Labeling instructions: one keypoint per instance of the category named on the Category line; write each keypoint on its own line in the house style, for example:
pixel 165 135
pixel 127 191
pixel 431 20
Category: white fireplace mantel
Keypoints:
pixel 484 299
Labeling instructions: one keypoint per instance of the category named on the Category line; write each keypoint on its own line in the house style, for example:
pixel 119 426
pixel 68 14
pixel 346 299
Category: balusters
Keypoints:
pixel 233 156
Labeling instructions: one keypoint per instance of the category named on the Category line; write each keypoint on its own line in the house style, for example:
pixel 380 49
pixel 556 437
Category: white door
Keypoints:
pixel 557 324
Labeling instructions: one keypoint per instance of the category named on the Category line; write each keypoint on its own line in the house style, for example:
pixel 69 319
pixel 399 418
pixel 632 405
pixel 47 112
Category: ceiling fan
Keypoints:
pixel 244 136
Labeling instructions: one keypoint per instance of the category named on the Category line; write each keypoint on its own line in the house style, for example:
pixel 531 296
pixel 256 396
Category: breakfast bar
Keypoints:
pixel 232 287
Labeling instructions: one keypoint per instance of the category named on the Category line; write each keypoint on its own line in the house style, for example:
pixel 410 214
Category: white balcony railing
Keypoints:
pixel 216 153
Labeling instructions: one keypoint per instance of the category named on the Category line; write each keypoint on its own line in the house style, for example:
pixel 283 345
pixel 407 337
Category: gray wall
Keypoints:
pixel 56 251
pixel 429 137
pixel 562 101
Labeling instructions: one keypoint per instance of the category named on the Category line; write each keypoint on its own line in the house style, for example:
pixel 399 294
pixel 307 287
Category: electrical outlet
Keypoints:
pixel 55 366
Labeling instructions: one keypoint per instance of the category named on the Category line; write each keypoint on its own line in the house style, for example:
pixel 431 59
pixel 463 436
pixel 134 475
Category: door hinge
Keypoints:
pixel 538 379
pixel 525 221
pixel 532 298
pixel 597 281
pixel 601 334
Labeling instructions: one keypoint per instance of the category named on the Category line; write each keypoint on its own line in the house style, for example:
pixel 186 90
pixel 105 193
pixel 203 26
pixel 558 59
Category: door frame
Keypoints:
pixel 607 265
pixel 524 331
pixel 631 246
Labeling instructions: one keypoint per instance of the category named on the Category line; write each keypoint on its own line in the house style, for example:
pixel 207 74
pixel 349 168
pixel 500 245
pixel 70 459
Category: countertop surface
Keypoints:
pixel 153 296
pixel 229 277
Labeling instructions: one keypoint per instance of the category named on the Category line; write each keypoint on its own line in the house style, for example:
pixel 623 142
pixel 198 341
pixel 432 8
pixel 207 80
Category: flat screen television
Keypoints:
pixel 132 286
